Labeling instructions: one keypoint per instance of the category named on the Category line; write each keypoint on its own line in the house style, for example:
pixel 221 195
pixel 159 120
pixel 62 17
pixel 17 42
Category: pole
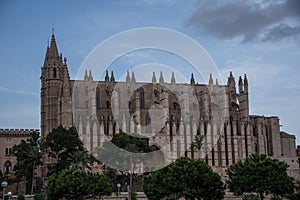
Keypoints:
pixel 3 195
pixel 32 177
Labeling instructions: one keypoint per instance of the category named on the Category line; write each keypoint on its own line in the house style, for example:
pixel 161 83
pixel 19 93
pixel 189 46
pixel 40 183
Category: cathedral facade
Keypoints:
pixel 170 114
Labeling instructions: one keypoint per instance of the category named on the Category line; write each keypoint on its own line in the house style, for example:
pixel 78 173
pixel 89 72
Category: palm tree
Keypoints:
pixel 197 143
pixel 35 156
pixel 78 160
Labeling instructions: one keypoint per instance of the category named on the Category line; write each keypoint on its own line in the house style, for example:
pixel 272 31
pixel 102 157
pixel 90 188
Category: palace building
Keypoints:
pixel 171 114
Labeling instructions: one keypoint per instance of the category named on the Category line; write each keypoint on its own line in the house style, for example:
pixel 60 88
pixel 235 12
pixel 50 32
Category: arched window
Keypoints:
pixel 98 100
pixel 76 98
pixel 7 167
pixel 148 124
pixel 142 99
pixel 54 72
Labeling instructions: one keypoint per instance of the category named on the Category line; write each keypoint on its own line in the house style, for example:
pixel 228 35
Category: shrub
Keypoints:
pixel 21 197
pixel 250 197
pixel 39 197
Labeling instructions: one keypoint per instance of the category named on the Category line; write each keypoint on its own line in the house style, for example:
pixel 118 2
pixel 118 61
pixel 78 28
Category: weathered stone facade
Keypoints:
pixel 9 138
pixel 170 114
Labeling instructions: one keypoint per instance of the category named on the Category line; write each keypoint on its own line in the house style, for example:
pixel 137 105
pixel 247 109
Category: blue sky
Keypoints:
pixel 260 38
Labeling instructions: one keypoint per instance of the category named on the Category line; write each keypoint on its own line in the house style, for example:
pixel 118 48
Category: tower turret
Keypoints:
pixel 56 99
pixel 132 77
pixel 106 76
pixel 240 85
pixel 161 78
pixel 112 77
pixel 153 78
pixel 90 75
pixel 243 98
pixel 245 84
pixel 192 79
pixel 211 81
pixel 127 77
pixel 173 81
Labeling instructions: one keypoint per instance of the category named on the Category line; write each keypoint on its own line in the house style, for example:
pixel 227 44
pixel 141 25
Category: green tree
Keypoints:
pixel 120 153
pixel 296 195
pixel 60 144
pixel 197 144
pixel 259 174
pixel 79 160
pixel 124 140
pixel 28 155
pixel 77 184
pixel 186 178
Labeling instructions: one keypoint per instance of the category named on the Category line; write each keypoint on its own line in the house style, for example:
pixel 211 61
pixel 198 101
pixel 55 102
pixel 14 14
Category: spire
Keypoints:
pixel 231 81
pixel 211 81
pixel 173 81
pixel 85 74
pixel 112 77
pixel 106 76
pixel 192 79
pixel 240 84
pixel 217 81
pixel 52 51
pixel 161 78
pixel 245 83
pixel 90 75
pixel 132 77
pixel 127 77
pixel 153 78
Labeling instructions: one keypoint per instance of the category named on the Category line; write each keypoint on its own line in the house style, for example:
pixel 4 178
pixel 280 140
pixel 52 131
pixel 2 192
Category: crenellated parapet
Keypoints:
pixel 17 132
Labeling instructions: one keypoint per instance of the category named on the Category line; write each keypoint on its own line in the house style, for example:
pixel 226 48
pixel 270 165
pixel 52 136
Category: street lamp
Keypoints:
pixel 119 186
pixel 9 195
pixel 4 185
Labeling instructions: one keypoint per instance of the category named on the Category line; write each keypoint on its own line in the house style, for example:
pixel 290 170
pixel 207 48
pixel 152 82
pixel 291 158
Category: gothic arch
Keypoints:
pixel 54 72
pixel 148 123
pixel 7 167
pixel 142 98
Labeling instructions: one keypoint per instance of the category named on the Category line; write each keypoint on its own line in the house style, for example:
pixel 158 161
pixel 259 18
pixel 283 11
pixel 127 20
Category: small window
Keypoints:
pixel 7 167
pixel 142 99
pixel 54 72
pixel 7 151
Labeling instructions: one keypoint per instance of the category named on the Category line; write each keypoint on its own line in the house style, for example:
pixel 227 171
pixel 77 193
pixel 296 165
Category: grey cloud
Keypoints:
pixel 247 20
pixel 281 31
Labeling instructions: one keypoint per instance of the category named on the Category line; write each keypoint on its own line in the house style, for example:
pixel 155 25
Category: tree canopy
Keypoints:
pixel 259 174
pixel 61 144
pixel 121 152
pixel 77 184
pixel 185 177
pixel 28 156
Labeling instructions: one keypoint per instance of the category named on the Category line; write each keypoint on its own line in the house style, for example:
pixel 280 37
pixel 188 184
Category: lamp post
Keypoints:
pixel 4 185
pixel 118 186
pixel 9 195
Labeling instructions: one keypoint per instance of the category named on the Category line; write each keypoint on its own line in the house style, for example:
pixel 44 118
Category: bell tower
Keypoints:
pixel 56 99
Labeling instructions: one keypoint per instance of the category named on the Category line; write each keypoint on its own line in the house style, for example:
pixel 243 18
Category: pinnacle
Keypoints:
pixel 52 51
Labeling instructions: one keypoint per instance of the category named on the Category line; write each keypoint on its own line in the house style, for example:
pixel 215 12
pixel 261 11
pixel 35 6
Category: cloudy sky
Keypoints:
pixel 260 38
